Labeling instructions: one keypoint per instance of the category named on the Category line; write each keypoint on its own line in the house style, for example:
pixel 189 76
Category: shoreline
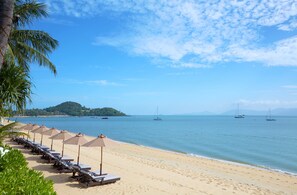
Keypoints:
pixel 148 170
pixel 260 167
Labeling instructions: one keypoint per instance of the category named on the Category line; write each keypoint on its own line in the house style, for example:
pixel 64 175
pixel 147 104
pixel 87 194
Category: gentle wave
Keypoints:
pixel 251 141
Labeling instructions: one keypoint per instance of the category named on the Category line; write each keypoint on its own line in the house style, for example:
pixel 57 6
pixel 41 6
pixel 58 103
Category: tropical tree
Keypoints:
pixel 24 48
pixel 30 46
pixel 6 15
pixel 15 89
pixel 7 131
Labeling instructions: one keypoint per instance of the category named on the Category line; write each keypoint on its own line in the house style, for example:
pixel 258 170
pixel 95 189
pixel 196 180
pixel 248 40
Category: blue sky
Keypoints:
pixel 183 56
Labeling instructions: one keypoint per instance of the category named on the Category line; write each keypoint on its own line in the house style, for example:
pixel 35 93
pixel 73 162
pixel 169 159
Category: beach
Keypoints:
pixel 146 170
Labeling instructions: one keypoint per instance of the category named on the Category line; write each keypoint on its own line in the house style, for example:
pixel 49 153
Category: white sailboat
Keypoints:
pixel 268 117
pixel 239 115
pixel 157 118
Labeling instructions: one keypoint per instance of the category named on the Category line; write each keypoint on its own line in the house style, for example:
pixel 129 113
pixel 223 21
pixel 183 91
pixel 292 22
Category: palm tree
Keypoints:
pixel 6 14
pixel 7 131
pixel 29 46
pixel 24 47
pixel 15 89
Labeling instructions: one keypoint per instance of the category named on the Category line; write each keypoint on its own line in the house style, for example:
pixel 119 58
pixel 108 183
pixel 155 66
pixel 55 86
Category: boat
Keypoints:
pixel 157 118
pixel 239 115
pixel 104 118
pixel 268 117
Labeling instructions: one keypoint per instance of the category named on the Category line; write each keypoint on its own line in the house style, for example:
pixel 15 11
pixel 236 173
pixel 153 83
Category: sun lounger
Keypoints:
pixel 50 155
pixel 65 166
pixel 77 168
pixel 89 178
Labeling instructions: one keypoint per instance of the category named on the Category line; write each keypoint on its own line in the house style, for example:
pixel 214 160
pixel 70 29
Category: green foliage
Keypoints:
pixel 17 178
pixel 24 48
pixel 36 112
pixel 73 109
pixel 69 108
pixel 105 112
pixel 6 131
pixel 15 89
pixel 29 46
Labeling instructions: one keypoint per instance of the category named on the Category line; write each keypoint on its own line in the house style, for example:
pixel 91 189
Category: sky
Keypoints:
pixel 182 56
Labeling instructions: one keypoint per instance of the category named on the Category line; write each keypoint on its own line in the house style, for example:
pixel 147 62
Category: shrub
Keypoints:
pixel 17 178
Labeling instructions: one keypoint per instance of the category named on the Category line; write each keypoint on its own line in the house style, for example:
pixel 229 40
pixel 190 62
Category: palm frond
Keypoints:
pixel 9 57
pixel 15 87
pixel 40 44
pixel 38 57
pixel 28 10
pixel 12 133
pixel 37 39
pixel 9 126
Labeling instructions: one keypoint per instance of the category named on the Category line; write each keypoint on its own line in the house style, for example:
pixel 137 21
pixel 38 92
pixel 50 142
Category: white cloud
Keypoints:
pixel 290 26
pixel 59 21
pixel 208 31
pixel 282 53
pixel 268 103
pixel 190 65
pixel 93 82
pixel 102 83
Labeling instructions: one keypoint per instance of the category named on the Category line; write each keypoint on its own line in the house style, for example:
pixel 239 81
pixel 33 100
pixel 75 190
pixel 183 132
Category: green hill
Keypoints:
pixel 73 109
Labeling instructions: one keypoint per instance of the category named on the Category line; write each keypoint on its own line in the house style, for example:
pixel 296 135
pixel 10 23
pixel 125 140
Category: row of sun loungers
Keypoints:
pixel 64 164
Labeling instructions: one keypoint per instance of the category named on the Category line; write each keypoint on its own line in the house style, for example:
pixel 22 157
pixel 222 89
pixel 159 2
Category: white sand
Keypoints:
pixel 151 171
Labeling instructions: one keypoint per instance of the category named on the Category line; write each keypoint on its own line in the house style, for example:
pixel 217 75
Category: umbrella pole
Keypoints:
pixel 34 138
pixel 63 149
pixel 101 160
pixel 28 135
pixel 52 144
pixel 78 154
pixel 41 139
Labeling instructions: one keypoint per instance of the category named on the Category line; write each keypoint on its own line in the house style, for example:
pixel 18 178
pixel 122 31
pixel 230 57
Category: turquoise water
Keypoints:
pixel 251 140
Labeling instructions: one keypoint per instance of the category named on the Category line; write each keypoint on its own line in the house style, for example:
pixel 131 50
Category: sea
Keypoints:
pixel 251 140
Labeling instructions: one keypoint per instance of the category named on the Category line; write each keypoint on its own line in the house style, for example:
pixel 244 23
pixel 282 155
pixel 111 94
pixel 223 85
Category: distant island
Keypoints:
pixel 73 109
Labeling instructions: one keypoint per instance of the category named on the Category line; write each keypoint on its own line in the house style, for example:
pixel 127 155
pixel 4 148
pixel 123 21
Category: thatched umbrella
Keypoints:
pixel 51 132
pixel 27 127
pixel 31 128
pixel 98 142
pixel 40 130
pixel 79 139
pixel 63 135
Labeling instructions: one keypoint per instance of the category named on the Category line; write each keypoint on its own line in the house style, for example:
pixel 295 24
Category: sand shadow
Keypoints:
pixel 62 178
pixel 19 147
pixel 46 168
pixel 76 184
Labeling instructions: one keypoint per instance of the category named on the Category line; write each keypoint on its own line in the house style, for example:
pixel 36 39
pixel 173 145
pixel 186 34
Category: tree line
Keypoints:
pixel 73 109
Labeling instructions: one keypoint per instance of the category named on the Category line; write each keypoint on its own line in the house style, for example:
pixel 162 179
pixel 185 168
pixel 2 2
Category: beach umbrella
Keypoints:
pixel 27 127
pixel 98 142
pixel 51 132
pixel 79 139
pixel 63 135
pixel 40 130
pixel 31 128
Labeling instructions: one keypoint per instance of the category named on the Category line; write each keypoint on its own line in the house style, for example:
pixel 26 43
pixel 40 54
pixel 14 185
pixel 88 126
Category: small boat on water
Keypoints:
pixel 104 118
pixel 239 115
pixel 268 117
pixel 157 118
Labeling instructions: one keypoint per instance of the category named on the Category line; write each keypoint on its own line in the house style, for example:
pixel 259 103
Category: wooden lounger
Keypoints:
pixel 88 178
